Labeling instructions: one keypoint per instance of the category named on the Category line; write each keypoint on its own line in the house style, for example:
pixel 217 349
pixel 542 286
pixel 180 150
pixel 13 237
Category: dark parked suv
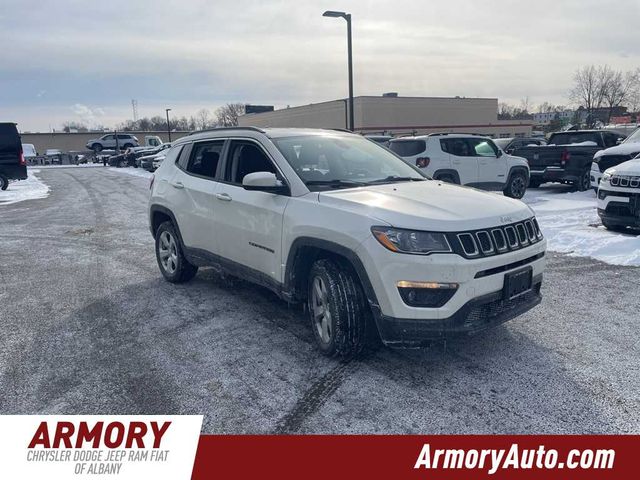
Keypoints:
pixel 12 163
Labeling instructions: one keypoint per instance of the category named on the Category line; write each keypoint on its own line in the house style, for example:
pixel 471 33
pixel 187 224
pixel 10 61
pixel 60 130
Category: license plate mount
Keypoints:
pixel 518 283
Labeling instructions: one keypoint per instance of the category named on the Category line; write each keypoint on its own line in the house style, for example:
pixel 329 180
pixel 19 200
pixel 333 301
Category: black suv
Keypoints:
pixel 12 163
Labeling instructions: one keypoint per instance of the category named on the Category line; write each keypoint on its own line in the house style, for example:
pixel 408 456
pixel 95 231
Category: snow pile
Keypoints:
pixel 29 189
pixel 570 223
pixel 137 172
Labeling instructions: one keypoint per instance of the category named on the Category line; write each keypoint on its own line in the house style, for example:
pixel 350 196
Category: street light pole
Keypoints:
pixel 347 17
pixel 167 110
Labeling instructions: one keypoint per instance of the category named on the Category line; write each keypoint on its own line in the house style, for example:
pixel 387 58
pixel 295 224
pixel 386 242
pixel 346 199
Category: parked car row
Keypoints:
pixel 133 157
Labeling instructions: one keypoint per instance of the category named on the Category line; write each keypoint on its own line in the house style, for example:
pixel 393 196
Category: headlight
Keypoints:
pixel 411 241
pixel 606 176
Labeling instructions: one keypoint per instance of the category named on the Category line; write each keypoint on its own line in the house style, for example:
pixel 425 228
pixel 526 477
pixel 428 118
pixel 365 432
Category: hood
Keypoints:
pixel 630 167
pixel 429 205
pixel 623 149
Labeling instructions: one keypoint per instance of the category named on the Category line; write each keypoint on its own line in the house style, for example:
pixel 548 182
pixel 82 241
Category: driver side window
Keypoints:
pixel 483 147
pixel 245 158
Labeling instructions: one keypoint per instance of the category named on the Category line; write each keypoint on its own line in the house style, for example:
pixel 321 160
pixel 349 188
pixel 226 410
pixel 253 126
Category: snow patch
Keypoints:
pixel 30 189
pixel 136 172
pixel 570 223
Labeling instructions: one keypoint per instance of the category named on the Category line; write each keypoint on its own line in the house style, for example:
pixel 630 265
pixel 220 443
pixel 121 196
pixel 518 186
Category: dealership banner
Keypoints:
pixel 171 446
pixel 98 446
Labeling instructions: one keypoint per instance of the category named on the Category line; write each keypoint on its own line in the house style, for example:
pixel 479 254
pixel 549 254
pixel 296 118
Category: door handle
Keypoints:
pixel 177 185
pixel 225 197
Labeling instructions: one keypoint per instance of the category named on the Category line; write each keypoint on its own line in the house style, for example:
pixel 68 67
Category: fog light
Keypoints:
pixel 426 294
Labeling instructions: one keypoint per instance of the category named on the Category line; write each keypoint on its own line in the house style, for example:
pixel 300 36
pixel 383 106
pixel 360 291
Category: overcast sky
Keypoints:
pixel 85 60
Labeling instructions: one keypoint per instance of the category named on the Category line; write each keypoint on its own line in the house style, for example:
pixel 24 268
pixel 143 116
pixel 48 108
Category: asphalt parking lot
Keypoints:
pixel 90 327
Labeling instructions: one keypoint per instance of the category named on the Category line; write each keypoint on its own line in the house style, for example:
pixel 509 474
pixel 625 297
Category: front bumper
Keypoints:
pixel 476 279
pixel 619 206
pixel 476 315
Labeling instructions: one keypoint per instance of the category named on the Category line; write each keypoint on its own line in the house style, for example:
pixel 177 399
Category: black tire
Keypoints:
pixel 177 268
pixel 534 183
pixel 347 326
pixel 584 183
pixel 96 147
pixel 517 186
pixel 614 227
pixel 4 182
pixel 122 164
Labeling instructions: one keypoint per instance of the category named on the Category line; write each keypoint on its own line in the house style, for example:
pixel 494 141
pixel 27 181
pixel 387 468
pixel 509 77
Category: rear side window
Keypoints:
pixel 457 146
pixel 408 148
pixel 204 158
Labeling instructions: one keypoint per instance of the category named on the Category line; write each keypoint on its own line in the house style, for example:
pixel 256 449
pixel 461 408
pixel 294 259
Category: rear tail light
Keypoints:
pixel 566 156
pixel 153 177
pixel 23 162
pixel 422 162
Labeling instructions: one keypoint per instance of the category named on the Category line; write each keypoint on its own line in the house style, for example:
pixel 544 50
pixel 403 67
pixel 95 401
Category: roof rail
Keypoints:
pixel 458 133
pixel 216 129
pixel 346 130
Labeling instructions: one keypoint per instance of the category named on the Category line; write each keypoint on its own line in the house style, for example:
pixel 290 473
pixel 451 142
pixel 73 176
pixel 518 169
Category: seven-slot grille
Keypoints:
pixel 625 181
pixel 494 241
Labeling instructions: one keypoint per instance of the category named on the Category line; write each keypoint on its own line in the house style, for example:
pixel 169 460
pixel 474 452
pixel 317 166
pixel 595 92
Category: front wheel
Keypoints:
pixel 97 147
pixel 4 182
pixel 171 260
pixel 584 182
pixel 337 308
pixel 517 186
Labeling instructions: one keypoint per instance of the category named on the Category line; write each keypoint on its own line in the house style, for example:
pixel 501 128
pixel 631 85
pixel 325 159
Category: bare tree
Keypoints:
pixel 619 87
pixel 203 119
pixel 227 115
pixel 589 87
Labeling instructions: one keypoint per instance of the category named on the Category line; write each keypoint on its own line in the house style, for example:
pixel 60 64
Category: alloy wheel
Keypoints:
pixel 518 187
pixel 320 309
pixel 168 252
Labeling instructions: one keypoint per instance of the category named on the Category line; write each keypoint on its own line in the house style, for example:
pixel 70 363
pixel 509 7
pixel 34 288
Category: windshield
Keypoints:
pixel 332 161
pixel 634 137
pixel 502 142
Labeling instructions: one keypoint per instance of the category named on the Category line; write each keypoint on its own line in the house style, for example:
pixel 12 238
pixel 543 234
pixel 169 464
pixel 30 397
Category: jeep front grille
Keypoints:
pixel 498 240
pixel 625 181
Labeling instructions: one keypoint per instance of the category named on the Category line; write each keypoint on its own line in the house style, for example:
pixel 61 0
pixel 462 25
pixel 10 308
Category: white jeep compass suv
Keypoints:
pixel 333 220
pixel 465 159
pixel 619 196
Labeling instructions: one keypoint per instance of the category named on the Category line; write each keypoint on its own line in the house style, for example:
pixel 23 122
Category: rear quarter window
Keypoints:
pixel 408 148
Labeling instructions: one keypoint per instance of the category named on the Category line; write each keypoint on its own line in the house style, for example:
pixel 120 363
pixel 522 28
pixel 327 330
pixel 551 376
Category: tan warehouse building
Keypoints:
pixel 393 115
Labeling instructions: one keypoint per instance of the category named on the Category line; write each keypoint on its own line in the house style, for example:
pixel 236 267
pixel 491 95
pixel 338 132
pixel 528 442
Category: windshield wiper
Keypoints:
pixel 336 183
pixel 395 178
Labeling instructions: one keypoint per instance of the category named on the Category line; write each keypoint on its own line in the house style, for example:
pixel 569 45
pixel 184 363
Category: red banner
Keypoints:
pixel 446 457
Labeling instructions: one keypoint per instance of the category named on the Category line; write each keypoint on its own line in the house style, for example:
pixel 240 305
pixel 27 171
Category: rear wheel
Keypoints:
pixel 517 186
pixel 96 147
pixel 584 182
pixel 4 182
pixel 337 309
pixel 171 260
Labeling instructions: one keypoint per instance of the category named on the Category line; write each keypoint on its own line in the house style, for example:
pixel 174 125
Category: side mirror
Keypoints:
pixel 499 154
pixel 264 182
pixel 619 141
